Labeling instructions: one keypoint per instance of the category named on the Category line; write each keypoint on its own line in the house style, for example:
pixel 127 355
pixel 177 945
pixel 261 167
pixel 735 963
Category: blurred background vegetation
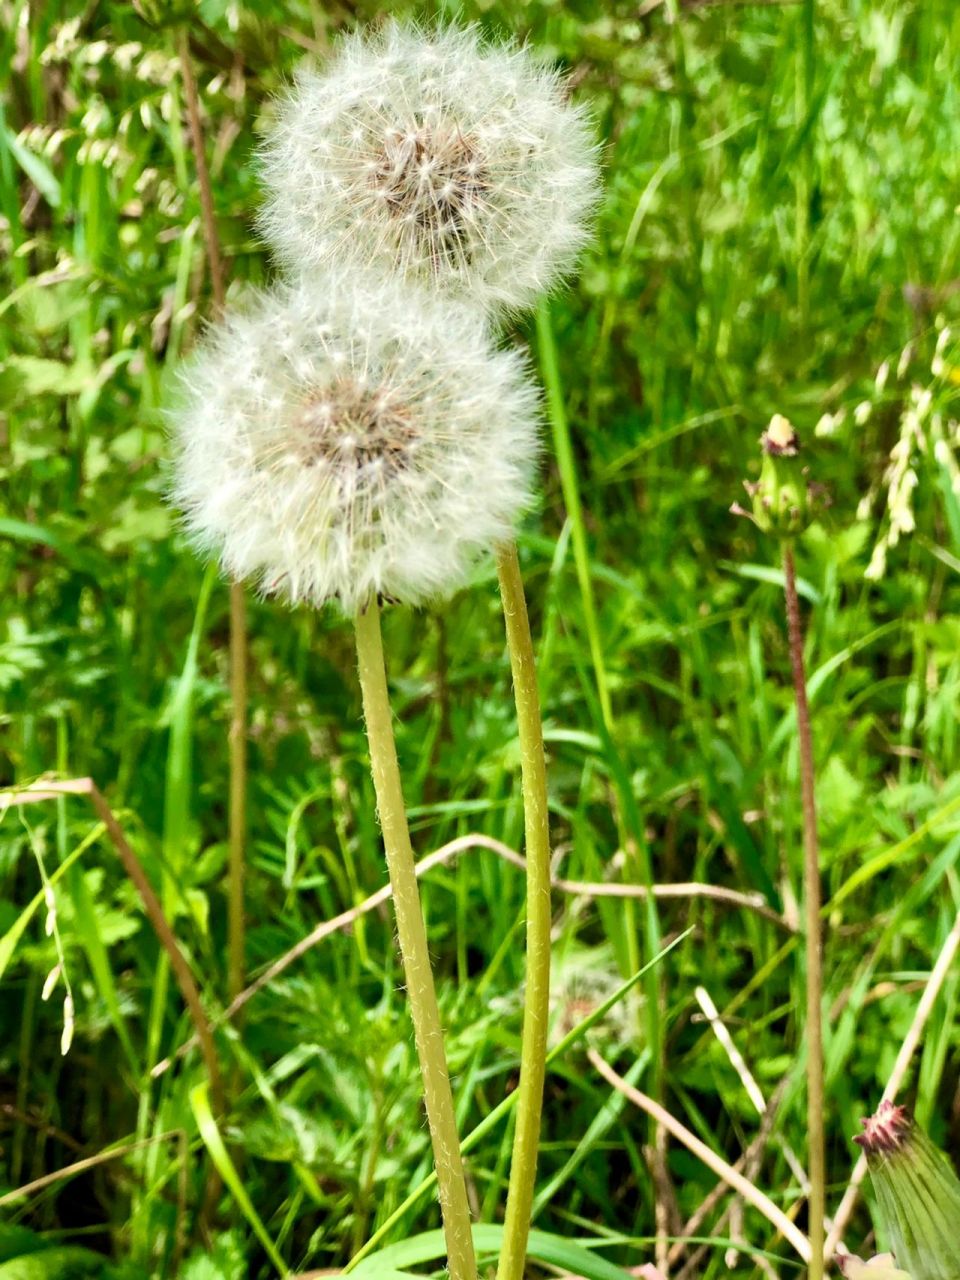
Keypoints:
pixel 779 233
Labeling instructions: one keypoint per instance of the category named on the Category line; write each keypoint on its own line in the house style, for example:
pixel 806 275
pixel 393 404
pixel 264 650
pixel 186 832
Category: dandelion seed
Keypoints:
pixel 437 156
pixel 352 438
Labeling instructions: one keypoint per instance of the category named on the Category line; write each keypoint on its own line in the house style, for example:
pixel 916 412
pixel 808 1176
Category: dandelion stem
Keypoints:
pixel 413 947
pixel 236 920
pixel 533 1049
pixel 236 923
pixel 814 964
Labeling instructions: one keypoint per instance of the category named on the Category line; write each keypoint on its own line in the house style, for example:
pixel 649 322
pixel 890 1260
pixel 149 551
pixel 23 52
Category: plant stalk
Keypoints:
pixel 237 834
pixel 812 931
pixel 412 934
pixel 207 213
pixel 536 1009
pixel 161 927
pixel 237 737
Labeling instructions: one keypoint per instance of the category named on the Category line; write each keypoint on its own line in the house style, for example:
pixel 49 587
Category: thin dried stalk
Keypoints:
pixel 151 903
pixel 816 1205
pixel 733 1178
pixel 726 897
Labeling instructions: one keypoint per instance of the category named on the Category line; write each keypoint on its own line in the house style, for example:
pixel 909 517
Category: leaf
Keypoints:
pixel 64 543
pixel 63 1263
pixel 223 1260
pixel 839 793
pixel 210 1133
pixel 16 1241
pixel 132 521
pixel 36 169
pixel 23 377
pixel 544 1246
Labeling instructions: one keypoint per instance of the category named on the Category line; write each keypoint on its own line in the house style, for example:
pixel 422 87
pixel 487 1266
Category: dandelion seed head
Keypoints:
pixel 353 437
pixel 435 155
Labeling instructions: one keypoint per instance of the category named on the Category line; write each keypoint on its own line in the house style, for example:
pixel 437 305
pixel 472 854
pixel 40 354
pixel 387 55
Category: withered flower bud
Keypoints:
pixel 784 502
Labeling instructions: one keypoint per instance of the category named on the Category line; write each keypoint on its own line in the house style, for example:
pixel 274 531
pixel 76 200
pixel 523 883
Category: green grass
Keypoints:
pixel 779 219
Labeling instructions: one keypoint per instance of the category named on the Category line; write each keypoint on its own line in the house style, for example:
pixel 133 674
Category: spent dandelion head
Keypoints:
pixel 353 438
pixel 434 155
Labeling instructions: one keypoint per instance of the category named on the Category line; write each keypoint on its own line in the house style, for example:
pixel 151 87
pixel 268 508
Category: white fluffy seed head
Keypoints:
pixel 353 437
pixel 435 155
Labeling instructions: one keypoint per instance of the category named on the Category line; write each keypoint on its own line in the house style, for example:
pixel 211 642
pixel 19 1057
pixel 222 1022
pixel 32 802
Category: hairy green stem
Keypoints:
pixel 428 1033
pixel 812 930
pixel 536 1009
pixel 236 915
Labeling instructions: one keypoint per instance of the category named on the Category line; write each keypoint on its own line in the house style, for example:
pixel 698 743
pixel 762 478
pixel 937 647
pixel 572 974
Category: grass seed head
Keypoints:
pixel 435 155
pixel 351 438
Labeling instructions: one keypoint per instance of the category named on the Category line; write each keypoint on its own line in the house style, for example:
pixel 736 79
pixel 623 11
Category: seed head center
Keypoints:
pixel 355 429
pixel 431 178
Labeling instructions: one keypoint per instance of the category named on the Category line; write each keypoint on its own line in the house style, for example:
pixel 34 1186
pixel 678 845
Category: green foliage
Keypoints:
pixel 26 1256
pixel 779 234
